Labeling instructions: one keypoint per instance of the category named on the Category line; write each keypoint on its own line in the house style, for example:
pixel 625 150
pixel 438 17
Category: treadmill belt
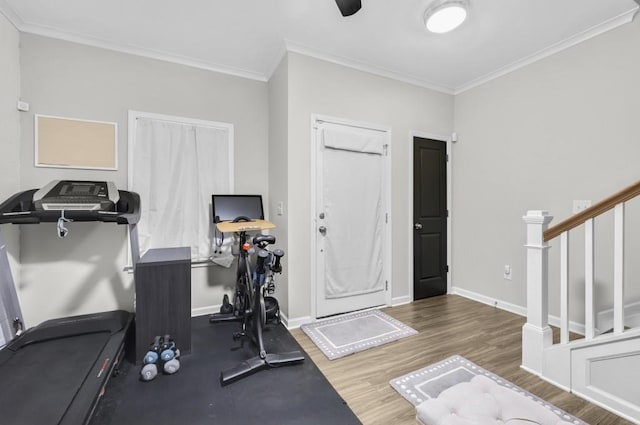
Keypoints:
pixel 49 373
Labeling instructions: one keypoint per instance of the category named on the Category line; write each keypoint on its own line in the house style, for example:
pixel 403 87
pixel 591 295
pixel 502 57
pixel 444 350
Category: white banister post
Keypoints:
pixel 536 333
pixel 618 270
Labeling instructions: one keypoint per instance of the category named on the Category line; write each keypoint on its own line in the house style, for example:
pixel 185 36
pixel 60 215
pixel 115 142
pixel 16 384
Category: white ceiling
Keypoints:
pixel 386 37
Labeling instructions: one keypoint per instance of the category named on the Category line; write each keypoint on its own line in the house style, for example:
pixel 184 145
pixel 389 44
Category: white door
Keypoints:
pixel 350 218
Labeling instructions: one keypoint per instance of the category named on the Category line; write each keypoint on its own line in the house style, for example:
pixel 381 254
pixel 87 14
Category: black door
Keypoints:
pixel 429 218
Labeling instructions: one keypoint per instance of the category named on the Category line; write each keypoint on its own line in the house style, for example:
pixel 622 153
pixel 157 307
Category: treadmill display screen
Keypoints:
pixel 230 207
pixel 76 195
pixel 87 189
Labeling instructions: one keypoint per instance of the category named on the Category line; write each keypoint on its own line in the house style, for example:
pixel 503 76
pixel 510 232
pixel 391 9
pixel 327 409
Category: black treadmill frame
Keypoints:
pixel 82 403
pixel 19 209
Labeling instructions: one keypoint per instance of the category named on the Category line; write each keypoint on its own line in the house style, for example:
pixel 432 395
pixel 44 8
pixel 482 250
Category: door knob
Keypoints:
pixel 322 230
pixel 417 226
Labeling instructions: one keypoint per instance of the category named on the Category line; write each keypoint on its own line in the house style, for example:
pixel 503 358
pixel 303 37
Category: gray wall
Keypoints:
pixel 9 115
pixel 560 129
pixel 318 87
pixel 83 273
pixel 9 130
pixel 278 185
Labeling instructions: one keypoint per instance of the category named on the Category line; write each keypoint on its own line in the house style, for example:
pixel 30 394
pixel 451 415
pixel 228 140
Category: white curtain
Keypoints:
pixel 354 210
pixel 176 169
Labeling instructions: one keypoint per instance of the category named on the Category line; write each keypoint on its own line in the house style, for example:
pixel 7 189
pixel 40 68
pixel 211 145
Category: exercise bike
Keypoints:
pixel 249 298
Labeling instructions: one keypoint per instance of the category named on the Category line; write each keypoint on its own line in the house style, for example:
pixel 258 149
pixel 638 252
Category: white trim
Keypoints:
pixel 88 40
pixel 206 310
pixel 291 46
pixel 294 47
pixel 545 378
pixel 448 142
pixel 397 301
pixel 604 318
pixel 589 279
pixel 11 15
pixel 574 327
pixel 78 167
pixel 618 269
pixel 484 299
pixel 549 51
pixel 597 403
pixel 318 118
pixel 564 287
pixel 295 322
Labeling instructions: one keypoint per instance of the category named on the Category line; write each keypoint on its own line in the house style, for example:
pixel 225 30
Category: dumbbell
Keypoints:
pixel 277 267
pixel 173 365
pixel 167 349
pixel 150 369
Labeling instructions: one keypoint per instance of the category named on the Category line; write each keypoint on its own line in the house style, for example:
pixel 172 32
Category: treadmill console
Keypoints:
pixel 76 195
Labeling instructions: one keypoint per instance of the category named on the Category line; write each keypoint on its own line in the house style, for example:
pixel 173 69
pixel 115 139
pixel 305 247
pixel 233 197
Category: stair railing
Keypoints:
pixel 536 333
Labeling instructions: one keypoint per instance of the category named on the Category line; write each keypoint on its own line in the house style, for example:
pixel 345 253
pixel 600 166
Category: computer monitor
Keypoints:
pixel 230 207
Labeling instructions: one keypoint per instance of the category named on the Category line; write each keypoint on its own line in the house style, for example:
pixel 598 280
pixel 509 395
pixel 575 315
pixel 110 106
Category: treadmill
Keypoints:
pixel 56 372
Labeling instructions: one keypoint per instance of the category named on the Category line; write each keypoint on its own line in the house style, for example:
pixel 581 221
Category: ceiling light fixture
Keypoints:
pixel 348 7
pixel 445 15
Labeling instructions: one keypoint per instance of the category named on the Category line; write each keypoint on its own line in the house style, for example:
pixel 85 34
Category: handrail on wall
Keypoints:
pixel 593 211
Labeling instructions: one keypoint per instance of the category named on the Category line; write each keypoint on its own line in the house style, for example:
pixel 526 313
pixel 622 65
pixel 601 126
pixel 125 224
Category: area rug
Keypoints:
pixel 349 334
pixel 427 384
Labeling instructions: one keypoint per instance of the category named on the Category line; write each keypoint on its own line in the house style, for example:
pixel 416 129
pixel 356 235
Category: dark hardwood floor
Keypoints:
pixel 447 325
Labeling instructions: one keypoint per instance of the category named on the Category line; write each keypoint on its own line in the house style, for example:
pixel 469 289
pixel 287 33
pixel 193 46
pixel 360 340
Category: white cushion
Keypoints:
pixel 483 402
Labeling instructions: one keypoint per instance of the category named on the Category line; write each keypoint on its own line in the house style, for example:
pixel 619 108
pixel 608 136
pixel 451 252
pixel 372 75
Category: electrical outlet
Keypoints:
pixel 506 272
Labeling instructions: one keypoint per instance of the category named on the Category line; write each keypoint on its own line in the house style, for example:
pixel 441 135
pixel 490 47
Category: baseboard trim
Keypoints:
pixel 604 319
pixel 502 305
pixel 512 308
pixel 405 299
pixel 201 311
pixel 295 322
pixel 604 406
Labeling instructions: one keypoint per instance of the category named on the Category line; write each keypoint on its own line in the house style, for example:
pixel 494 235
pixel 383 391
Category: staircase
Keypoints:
pixel 602 367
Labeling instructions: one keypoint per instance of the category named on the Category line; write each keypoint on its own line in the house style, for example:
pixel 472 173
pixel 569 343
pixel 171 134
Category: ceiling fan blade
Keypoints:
pixel 349 7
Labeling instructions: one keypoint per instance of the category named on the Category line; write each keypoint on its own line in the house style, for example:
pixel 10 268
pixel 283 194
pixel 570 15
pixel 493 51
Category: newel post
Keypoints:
pixel 536 333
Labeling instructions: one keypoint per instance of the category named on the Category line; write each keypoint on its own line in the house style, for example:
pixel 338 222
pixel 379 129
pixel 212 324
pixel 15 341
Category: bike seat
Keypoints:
pixel 264 240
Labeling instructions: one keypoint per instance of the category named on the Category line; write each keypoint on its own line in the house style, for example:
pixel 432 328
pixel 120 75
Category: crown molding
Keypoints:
pixel 59 34
pixel 139 51
pixel 594 31
pixel 364 67
pixel 11 15
pixel 290 46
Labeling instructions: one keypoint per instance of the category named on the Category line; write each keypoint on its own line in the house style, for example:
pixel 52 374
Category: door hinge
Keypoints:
pixel 386 285
pixel 386 217
pixel 447 157
pixel 385 149
pixel 447 270
pixel 446 213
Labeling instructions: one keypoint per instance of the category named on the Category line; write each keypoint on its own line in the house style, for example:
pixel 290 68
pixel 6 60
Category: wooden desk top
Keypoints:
pixel 244 226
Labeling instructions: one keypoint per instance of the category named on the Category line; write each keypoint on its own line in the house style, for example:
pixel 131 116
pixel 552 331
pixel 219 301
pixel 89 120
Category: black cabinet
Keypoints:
pixel 163 298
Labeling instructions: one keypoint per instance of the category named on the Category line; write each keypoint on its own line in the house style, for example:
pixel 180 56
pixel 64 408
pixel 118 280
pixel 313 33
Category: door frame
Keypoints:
pixel 448 143
pixel 313 233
